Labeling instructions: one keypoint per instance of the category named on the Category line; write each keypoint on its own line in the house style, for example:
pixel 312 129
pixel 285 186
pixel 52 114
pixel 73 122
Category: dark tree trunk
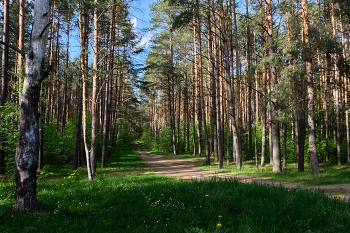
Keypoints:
pixel 193 112
pixel 285 147
pixel 76 160
pixel 264 82
pixel 250 140
pixel 21 27
pixel 218 58
pixel 238 151
pixel 301 129
pixel 41 134
pixel 200 72
pixel 213 135
pixel 171 95
pixel 29 140
pixel 275 129
pixel 65 91
pixel 197 81
pixel 5 54
pixel 236 140
pixel 310 90
pixel 108 86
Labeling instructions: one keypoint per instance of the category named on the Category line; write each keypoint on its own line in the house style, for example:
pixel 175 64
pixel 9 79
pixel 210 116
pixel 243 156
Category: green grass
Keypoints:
pixel 330 173
pixel 150 203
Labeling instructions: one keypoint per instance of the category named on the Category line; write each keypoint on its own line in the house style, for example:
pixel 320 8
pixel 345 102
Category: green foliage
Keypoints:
pixel 124 138
pixel 9 115
pixel 75 175
pixel 44 173
pixel 54 145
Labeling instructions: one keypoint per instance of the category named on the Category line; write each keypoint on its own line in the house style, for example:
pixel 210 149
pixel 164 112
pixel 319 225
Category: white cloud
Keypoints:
pixel 134 22
pixel 145 39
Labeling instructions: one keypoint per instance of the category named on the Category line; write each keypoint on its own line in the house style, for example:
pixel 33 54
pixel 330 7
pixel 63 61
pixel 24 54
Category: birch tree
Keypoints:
pixel 29 140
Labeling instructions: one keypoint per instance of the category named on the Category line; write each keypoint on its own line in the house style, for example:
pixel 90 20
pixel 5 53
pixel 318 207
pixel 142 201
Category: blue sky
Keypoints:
pixel 139 16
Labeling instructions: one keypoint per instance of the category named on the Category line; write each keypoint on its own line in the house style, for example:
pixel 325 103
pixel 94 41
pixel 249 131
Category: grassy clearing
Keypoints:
pixel 149 203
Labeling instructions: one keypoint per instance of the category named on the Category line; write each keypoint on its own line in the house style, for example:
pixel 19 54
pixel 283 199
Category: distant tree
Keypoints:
pixel 4 75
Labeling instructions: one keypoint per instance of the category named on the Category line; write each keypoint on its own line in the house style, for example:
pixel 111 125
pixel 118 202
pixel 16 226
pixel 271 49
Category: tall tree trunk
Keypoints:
pixel 264 82
pixel 193 111
pixel 345 86
pixel 236 144
pixel 239 79
pixel 327 82
pixel 336 90
pixel 250 141
pixel 65 91
pixel 29 140
pixel 50 85
pixel 198 112
pixel 186 109
pixel 94 110
pixel 83 61
pixel 274 123
pixel 77 135
pixel 310 90
pixel 21 27
pixel 41 134
pixel 108 85
pixel 285 127
pixel 171 94
pixel 4 76
pixel 57 71
pixel 200 73
pixel 211 64
pixel 218 59
pixel 301 128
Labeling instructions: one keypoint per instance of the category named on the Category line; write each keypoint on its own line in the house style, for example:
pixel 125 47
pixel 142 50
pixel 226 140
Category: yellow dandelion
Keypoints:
pixel 178 179
pixel 346 201
pixel 206 195
pixel 220 216
pixel 62 184
pixel 219 224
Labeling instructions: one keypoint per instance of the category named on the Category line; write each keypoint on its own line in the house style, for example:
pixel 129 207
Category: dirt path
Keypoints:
pixel 185 169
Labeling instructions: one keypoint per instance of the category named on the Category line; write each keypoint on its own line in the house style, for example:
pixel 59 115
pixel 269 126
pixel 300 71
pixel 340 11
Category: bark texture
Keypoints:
pixel 29 141
pixel 310 90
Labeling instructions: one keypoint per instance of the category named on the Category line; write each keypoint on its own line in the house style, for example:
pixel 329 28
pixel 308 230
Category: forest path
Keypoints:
pixel 185 169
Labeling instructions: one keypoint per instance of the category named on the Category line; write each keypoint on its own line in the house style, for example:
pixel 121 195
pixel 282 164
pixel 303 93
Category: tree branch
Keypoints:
pixel 42 77
pixel 14 48
pixel 42 32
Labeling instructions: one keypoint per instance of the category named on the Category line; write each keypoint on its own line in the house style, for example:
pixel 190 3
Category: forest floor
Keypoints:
pixel 185 169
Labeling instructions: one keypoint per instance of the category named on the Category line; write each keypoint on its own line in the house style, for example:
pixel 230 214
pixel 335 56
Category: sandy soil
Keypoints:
pixel 185 169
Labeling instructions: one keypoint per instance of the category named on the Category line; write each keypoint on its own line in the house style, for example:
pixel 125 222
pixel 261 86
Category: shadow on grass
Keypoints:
pixel 144 203
pixel 152 203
